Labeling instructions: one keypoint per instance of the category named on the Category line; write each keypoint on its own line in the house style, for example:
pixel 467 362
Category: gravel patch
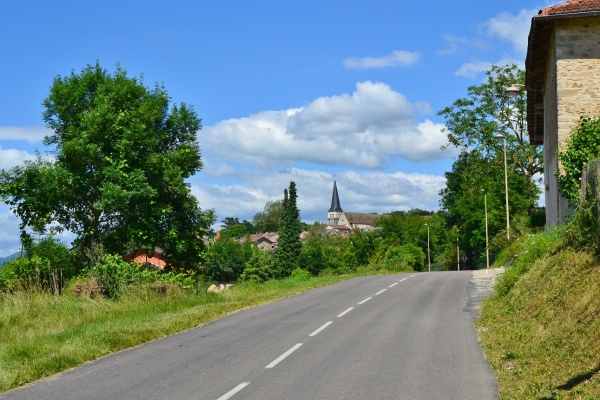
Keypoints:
pixel 479 287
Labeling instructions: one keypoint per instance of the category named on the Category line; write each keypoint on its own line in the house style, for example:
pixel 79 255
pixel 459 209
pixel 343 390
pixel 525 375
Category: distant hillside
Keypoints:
pixel 8 258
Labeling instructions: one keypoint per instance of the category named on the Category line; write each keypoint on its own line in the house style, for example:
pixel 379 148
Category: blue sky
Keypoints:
pixel 306 91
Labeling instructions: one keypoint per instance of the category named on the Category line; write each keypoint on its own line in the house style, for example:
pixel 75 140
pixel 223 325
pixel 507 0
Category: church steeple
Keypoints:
pixel 335 200
pixel 335 211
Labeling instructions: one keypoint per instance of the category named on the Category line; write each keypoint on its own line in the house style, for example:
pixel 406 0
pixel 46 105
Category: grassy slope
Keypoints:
pixel 542 335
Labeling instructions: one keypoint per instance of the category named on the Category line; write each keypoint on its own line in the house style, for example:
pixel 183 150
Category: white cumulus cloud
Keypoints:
pixel 12 157
pixel 365 129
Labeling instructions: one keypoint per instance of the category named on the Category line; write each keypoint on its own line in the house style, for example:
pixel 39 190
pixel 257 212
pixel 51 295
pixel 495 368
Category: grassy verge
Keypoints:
pixel 541 331
pixel 41 334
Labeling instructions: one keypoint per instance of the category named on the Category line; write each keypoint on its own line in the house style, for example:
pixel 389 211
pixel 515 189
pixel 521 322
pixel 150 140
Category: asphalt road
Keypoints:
pixel 406 336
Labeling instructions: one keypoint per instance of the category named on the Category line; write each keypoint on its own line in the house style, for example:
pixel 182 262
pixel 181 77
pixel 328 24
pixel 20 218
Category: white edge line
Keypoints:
pixel 393 284
pixel 283 356
pixel 402 280
pixel 325 325
pixel 412 275
pixel 381 291
pixel 345 312
pixel 365 300
pixel 234 391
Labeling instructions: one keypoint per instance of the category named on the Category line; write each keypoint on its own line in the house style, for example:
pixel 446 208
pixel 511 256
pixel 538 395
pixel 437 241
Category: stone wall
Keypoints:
pixel 572 89
pixel 577 46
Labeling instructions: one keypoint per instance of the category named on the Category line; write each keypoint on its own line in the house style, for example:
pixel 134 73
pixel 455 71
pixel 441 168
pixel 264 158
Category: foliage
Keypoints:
pixel 269 220
pixel 300 274
pixel 115 274
pixel 581 147
pixel 47 265
pixel 403 258
pixel 227 259
pixel 473 122
pixel 583 228
pixel 289 243
pixel 471 125
pixel 236 231
pixel 117 178
pixel 258 268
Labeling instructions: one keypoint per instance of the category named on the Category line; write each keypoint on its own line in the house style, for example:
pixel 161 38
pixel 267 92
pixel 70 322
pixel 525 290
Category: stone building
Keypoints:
pixel 563 84
pixel 344 222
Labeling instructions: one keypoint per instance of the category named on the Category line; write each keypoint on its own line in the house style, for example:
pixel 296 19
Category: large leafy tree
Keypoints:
pixel 471 125
pixel 473 122
pixel 269 220
pixel 116 180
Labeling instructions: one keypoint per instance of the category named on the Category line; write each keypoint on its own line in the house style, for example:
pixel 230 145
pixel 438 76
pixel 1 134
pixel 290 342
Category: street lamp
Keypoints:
pixel 487 247
pixel 457 250
pixel 502 137
pixel 428 253
pixel 513 90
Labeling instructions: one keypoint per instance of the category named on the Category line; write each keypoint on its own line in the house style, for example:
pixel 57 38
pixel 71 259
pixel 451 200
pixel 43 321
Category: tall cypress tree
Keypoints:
pixel 289 234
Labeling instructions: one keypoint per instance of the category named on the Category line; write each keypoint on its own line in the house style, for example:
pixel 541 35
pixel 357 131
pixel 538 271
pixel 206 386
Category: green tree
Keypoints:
pixel 47 264
pixel 227 259
pixel 290 245
pixel 117 178
pixel 473 122
pixel 269 220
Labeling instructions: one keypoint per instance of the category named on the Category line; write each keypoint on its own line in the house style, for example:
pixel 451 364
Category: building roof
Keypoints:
pixel 570 7
pixel 538 48
pixel 361 218
pixel 335 200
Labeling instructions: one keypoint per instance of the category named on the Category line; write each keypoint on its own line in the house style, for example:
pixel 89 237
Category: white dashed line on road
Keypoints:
pixel 283 356
pixel 381 291
pixel 365 300
pixel 345 312
pixel 325 325
pixel 234 391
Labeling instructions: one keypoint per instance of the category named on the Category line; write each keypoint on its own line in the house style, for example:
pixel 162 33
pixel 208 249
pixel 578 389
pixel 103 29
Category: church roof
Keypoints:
pixel 335 200
pixel 361 218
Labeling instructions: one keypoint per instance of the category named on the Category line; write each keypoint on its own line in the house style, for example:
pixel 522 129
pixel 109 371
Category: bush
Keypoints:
pixel 258 269
pixel 47 265
pixel 114 273
pixel 300 274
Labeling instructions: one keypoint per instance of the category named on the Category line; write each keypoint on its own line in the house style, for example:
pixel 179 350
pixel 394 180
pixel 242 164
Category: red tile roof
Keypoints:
pixel 570 7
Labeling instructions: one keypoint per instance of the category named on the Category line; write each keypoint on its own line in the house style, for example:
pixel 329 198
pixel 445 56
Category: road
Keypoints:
pixel 405 336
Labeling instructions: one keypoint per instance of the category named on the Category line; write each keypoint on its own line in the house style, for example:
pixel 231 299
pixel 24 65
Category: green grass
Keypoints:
pixel 41 334
pixel 541 331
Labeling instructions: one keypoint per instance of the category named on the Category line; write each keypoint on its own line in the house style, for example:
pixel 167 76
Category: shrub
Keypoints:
pixel 300 274
pixel 115 274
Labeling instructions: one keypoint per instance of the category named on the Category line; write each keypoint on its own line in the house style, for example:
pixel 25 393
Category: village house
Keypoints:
pixel 563 84
pixel 155 259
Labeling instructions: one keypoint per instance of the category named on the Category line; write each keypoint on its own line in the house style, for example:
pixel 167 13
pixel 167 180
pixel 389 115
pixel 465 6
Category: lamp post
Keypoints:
pixel 487 247
pixel 428 253
pixel 457 251
pixel 502 137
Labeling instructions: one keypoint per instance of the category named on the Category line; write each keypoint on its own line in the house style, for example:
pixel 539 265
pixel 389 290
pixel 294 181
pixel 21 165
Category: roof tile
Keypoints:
pixel 570 7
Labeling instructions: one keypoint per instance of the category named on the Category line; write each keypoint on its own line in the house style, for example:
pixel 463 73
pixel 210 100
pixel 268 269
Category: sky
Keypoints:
pixel 310 92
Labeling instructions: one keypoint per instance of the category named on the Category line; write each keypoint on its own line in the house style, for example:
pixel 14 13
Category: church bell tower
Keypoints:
pixel 335 211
